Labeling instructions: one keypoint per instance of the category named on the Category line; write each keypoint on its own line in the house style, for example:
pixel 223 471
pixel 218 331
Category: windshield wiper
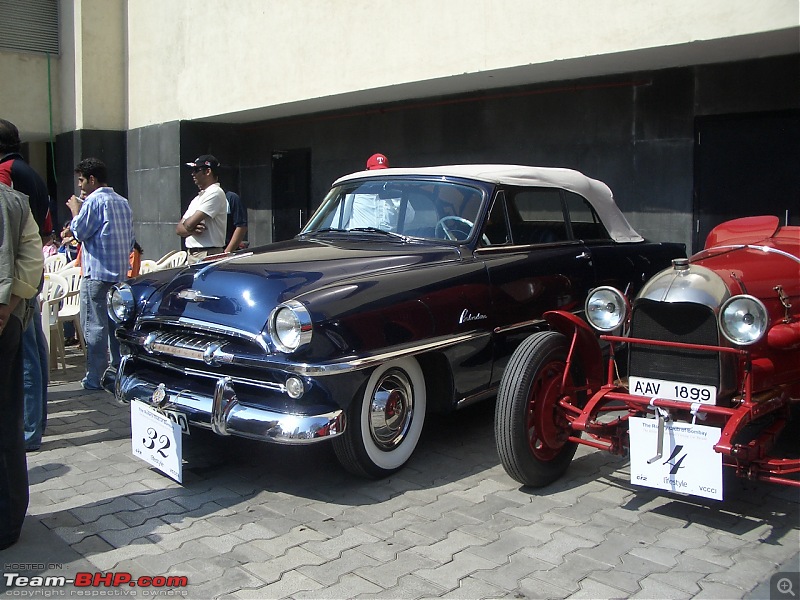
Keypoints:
pixel 326 230
pixel 382 231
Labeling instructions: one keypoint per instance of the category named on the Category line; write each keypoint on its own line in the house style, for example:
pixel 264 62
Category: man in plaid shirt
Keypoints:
pixel 102 223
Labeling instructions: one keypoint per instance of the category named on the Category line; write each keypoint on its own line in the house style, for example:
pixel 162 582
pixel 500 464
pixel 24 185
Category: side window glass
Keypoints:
pixel 496 229
pixel 586 224
pixel 540 217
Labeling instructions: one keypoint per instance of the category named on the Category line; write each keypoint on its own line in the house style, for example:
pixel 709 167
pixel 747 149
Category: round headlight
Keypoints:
pixel 120 303
pixel 743 319
pixel 290 326
pixel 606 308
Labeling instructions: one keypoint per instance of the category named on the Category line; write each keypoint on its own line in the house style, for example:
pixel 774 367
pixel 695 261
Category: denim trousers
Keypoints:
pixel 97 331
pixel 13 465
pixel 36 374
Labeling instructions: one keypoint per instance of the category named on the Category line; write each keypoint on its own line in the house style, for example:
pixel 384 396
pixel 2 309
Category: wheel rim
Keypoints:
pixel 547 426
pixel 391 409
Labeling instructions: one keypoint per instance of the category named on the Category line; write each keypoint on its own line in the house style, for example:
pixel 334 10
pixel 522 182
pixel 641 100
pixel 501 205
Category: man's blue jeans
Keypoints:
pixel 36 372
pixel 97 332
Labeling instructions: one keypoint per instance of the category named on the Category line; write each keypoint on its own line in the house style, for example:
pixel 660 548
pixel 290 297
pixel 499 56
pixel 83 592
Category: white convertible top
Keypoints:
pixel 596 192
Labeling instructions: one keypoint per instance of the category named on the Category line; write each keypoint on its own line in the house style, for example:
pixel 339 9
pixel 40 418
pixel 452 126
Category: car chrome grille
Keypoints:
pixel 183 345
pixel 675 322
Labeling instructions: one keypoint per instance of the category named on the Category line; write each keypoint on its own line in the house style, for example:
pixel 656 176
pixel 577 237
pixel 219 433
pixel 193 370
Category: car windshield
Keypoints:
pixel 409 208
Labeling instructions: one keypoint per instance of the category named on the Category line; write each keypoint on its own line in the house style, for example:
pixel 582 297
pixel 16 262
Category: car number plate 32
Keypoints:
pixel 156 439
pixel 672 390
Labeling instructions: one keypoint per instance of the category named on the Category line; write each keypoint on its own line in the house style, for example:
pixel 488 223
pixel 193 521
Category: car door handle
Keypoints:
pixel 584 255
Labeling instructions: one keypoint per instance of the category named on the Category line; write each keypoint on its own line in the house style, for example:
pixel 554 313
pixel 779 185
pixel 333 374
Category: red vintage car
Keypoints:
pixel 701 370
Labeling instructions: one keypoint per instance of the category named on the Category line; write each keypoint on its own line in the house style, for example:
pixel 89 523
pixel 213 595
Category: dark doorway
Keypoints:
pixel 291 185
pixel 745 165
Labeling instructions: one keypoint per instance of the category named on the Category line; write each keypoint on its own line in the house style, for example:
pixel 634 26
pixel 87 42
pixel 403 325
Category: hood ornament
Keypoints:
pixel 191 295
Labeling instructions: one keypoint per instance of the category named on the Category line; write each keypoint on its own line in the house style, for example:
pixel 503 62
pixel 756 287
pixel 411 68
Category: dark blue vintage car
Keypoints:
pixel 407 292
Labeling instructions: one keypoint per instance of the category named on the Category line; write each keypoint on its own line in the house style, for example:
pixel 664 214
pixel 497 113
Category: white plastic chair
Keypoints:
pixel 173 259
pixel 148 265
pixel 55 263
pixel 164 258
pixel 71 306
pixel 54 290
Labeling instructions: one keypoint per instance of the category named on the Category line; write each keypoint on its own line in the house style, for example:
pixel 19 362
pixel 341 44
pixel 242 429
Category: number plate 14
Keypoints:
pixel 156 440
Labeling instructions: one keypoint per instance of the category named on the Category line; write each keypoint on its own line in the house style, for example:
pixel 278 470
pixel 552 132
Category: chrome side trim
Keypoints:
pixel 475 398
pixel 356 364
pixel 523 325
pixel 285 364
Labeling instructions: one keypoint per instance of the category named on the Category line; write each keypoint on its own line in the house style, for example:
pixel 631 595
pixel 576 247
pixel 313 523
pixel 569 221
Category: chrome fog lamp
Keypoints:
pixel 120 303
pixel 290 326
pixel 294 388
pixel 606 308
pixel 743 319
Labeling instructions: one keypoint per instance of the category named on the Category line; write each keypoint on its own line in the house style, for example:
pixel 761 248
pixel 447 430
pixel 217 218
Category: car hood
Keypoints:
pixel 240 291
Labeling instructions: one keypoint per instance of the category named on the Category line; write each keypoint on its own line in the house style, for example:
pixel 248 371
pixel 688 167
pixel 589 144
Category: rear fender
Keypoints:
pixel 587 346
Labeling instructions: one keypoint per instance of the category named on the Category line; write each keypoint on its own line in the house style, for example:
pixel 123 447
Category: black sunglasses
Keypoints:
pixel 198 169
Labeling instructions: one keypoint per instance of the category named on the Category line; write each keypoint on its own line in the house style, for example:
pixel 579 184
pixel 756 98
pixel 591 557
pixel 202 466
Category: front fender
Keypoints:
pixel 587 345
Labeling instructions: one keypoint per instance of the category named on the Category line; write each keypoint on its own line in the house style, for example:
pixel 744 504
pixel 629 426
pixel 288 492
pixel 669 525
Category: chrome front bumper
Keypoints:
pixel 225 415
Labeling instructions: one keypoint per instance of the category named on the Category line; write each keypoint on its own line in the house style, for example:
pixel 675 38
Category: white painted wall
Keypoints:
pixel 263 58
pixel 100 64
pixel 24 93
pixel 131 63
pixel 87 81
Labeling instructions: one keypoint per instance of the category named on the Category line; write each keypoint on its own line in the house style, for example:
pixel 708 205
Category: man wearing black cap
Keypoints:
pixel 203 224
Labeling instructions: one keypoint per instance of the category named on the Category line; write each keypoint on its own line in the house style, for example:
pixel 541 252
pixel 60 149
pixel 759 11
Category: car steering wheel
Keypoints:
pixel 448 232
pixel 450 235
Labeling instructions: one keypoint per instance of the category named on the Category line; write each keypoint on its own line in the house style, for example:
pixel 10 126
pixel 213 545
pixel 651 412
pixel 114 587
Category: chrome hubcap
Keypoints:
pixel 391 409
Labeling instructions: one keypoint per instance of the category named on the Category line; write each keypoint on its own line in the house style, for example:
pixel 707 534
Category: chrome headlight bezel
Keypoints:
pixel 604 301
pixel 290 327
pixel 120 303
pixel 743 320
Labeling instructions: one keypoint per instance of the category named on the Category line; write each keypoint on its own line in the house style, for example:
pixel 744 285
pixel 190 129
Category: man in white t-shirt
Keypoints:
pixel 203 224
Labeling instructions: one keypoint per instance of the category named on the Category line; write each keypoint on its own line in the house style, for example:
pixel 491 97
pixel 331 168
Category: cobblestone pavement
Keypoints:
pixel 253 520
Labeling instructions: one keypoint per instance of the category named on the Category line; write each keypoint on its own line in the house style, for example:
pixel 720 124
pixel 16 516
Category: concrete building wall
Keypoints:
pixel 611 88
pixel 27 91
pixel 634 131
pixel 244 60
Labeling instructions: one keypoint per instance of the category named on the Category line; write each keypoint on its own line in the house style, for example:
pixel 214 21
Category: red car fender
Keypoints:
pixel 586 344
pixel 784 336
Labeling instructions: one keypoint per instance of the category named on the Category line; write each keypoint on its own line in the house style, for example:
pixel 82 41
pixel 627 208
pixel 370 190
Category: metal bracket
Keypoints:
pixel 663 415
pixel 787 316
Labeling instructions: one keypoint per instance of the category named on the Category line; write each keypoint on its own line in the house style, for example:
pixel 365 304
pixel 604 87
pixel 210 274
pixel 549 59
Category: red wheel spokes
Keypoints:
pixel 547 426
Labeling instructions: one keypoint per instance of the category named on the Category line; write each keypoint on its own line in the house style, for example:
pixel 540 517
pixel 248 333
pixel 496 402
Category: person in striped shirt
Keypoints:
pixel 103 223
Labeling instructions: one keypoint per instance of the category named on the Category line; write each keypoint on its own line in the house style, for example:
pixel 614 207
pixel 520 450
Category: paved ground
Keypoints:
pixel 259 521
